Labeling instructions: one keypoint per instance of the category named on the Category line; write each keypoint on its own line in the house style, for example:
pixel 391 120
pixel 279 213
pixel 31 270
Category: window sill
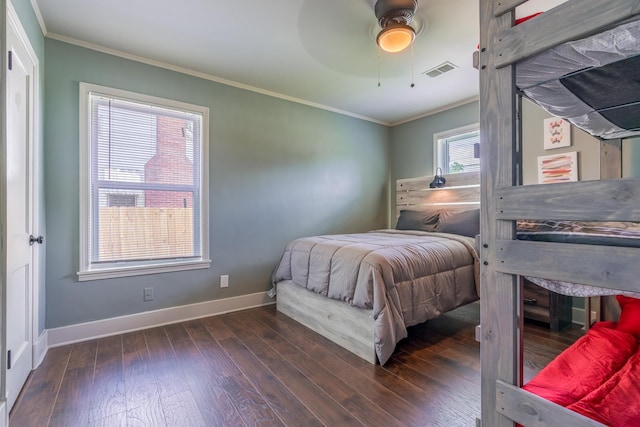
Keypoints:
pixel 115 272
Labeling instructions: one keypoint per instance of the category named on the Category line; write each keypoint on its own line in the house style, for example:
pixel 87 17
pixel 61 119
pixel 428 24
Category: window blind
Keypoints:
pixel 461 152
pixel 145 180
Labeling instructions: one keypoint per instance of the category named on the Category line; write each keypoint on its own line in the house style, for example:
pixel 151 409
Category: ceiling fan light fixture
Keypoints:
pixel 394 17
pixel 395 37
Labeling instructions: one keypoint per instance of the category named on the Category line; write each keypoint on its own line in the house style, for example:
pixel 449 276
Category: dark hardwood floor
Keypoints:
pixel 258 367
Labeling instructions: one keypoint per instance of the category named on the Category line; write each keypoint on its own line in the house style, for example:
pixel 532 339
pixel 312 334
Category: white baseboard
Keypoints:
pixel 577 316
pixel 148 319
pixel 4 417
pixel 40 347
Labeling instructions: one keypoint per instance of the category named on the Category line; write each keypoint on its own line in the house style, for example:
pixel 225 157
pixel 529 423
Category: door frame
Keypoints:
pixel 4 416
pixel 12 23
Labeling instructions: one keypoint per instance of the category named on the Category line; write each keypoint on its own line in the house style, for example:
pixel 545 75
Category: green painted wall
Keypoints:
pixel 278 170
pixel 31 26
pixel 411 145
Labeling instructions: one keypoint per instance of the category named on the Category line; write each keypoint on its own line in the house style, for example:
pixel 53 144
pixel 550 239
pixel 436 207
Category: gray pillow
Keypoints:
pixel 418 220
pixel 465 223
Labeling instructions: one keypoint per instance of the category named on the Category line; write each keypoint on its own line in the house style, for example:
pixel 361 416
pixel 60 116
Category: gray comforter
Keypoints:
pixel 405 277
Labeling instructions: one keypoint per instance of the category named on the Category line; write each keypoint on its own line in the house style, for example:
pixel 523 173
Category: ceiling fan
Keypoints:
pixel 394 17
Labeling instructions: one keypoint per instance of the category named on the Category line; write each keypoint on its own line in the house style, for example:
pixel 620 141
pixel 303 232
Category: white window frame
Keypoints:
pixel 89 271
pixel 439 159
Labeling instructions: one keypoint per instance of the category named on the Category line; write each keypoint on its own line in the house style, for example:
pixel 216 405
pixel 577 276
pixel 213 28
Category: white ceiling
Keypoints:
pixel 319 52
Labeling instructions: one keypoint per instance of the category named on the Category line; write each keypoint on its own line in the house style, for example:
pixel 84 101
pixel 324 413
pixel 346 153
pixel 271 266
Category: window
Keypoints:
pixel 121 199
pixel 143 184
pixel 458 150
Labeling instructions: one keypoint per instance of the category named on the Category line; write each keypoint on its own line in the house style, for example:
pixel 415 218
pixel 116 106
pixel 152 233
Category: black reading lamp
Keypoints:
pixel 438 180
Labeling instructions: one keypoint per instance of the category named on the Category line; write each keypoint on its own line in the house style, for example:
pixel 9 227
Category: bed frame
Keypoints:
pixel 353 327
pixel 502 257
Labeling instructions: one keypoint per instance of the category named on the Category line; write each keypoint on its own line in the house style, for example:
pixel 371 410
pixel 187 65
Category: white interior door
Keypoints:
pixel 19 252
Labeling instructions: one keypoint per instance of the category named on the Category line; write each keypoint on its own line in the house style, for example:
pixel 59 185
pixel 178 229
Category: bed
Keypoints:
pixel 505 51
pixel 607 233
pixel 363 290
pixel 598 376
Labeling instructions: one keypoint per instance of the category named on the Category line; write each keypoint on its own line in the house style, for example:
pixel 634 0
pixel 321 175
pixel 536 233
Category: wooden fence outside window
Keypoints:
pixel 129 233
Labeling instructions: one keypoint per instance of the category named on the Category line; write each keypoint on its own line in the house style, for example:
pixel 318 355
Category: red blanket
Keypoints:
pixel 598 376
pixel 584 366
pixel 617 401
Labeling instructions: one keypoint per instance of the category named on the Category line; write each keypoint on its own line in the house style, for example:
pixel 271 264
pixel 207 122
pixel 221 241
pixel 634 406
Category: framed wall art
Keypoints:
pixel 558 168
pixel 557 133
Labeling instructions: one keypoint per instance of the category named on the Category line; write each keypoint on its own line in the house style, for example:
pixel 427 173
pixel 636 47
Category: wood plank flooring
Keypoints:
pixel 259 368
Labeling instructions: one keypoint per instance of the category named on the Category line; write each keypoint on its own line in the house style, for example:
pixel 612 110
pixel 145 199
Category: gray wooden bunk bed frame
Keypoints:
pixel 503 258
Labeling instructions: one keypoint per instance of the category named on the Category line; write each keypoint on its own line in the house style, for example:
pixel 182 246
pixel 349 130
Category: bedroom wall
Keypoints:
pixel 411 145
pixel 631 158
pixel 411 148
pixel 278 170
pixel 588 147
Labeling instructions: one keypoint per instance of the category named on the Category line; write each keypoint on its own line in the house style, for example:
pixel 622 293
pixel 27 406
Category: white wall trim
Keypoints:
pixel 4 22
pixel 205 76
pixel 4 417
pixel 148 319
pixel 40 347
pixel 210 77
pixel 438 156
pixel 36 11
pixel 14 24
pixel 88 270
pixel 577 316
pixel 34 179
pixel 436 111
pixel 13 19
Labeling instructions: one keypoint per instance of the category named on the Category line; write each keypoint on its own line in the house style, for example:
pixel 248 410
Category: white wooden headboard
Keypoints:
pixel 461 191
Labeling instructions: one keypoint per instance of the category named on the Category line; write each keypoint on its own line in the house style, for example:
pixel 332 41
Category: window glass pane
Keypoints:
pixel 115 199
pixel 463 153
pixel 459 152
pixel 141 233
pixel 145 182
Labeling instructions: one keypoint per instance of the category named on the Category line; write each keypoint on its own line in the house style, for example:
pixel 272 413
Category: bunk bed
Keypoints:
pixel 504 48
pixel 363 290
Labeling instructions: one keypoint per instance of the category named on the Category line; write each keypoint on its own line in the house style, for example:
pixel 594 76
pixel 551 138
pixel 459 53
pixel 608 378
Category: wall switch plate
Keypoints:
pixel 148 294
pixel 224 281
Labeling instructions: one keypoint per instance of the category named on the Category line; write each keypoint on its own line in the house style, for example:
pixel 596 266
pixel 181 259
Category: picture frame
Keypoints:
pixel 557 133
pixel 555 168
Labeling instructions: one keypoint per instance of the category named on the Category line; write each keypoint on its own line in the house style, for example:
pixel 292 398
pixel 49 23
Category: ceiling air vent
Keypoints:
pixel 440 69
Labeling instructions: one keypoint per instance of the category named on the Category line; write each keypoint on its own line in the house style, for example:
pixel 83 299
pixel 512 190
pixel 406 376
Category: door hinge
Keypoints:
pixel 10 60
pixel 9 359
pixel 33 239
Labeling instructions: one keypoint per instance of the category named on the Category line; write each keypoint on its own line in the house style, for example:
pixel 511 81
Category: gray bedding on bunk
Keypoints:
pixel 592 82
pixel 610 233
pixel 405 277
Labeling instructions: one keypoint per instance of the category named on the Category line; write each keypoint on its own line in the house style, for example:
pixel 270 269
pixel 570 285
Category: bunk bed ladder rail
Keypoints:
pixel 503 258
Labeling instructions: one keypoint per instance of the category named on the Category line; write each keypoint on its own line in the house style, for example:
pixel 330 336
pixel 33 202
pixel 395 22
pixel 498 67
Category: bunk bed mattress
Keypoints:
pixel 598 376
pixel 592 82
pixel 406 277
pixel 585 365
pixel 626 234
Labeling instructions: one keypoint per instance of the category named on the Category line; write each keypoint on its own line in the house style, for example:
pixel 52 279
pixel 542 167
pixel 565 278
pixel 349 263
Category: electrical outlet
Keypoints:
pixel 224 281
pixel 148 294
